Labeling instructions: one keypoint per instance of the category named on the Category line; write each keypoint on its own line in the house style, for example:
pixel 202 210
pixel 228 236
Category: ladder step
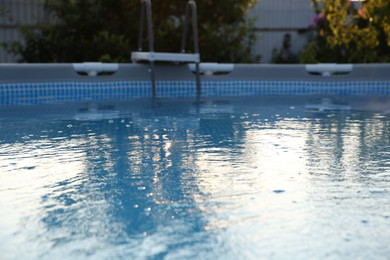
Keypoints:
pixel 165 56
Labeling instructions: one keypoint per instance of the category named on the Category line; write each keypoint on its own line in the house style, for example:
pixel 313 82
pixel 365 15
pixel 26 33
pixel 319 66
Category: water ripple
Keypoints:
pixel 249 182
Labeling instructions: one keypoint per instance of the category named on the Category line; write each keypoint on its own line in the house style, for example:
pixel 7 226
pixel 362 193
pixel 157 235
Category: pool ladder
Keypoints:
pixel 151 56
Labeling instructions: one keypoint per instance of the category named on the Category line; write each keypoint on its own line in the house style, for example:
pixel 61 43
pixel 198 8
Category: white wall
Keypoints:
pixel 275 19
pixel 14 13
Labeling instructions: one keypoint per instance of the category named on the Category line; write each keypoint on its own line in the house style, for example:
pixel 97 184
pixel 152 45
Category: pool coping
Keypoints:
pixel 28 84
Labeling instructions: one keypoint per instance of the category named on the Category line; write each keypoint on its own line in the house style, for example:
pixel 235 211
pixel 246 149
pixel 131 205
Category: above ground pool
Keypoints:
pixel 262 162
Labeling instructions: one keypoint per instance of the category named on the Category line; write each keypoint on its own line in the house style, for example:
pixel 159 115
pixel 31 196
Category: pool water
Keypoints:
pixel 217 179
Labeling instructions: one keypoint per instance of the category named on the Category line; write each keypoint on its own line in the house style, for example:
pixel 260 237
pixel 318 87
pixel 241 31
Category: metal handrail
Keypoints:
pixel 146 8
pixel 191 9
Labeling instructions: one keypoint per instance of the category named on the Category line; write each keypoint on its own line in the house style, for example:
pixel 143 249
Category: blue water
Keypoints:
pixel 220 179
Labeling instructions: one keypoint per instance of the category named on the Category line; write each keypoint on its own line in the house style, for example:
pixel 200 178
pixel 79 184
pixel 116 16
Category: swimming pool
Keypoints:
pixel 269 177
pixel 268 167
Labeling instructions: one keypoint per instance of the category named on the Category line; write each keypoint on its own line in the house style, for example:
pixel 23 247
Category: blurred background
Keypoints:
pixel 250 31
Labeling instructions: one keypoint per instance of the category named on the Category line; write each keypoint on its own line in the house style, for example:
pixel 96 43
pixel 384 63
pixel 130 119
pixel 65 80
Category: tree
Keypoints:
pixel 350 32
pixel 106 30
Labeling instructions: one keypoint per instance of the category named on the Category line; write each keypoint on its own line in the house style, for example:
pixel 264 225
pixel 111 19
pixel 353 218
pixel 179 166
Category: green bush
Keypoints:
pixel 348 32
pixel 106 30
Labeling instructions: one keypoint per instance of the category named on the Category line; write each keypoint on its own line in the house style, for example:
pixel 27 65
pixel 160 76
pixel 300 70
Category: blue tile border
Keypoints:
pixel 61 92
pixel 246 88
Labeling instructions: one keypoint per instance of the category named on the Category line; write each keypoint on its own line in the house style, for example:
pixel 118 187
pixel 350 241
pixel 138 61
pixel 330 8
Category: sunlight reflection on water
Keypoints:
pixel 213 181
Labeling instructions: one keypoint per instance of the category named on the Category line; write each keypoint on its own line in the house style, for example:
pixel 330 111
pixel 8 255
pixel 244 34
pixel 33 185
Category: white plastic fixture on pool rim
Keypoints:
pixel 328 69
pixel 211 68
pixel 94 68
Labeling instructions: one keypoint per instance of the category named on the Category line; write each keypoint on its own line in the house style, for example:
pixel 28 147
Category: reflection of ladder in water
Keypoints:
pixel 151 56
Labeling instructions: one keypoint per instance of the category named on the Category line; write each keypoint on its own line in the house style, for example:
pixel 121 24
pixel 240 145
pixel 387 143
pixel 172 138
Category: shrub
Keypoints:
pixel 106 30
pixel 349 32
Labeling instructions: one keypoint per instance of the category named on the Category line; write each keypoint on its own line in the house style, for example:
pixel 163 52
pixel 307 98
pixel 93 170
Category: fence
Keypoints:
pixel 14 13
pixel 275 19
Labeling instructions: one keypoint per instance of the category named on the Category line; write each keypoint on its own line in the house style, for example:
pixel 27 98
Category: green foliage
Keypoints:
pixel 350 32
pixel 106 30
pixel 309 54
pixel 284 55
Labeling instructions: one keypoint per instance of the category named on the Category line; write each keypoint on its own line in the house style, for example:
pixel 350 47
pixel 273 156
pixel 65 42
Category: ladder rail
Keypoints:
pixel 146 8
pixel 191 10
